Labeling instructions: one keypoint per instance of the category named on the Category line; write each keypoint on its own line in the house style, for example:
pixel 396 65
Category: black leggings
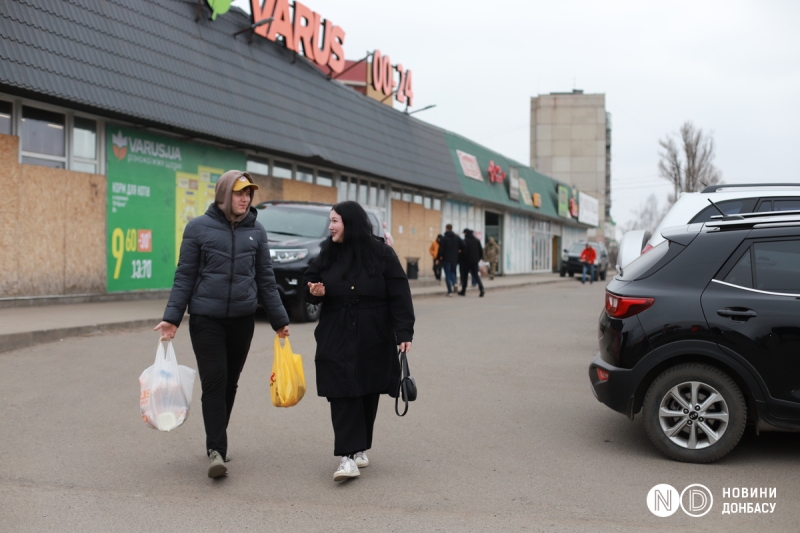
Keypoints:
pixel 220 346
pixel 353 420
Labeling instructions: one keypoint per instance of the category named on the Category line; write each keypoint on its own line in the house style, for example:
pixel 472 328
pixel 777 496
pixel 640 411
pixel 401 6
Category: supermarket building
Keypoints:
pixel 117 117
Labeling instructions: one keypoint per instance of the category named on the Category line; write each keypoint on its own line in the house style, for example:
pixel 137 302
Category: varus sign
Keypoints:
pixel 302 30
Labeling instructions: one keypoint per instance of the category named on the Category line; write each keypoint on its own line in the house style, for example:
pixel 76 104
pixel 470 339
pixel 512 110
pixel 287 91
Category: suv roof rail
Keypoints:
pixel 740 216
pixel 715 188
pixel 293 202
pixel 754 220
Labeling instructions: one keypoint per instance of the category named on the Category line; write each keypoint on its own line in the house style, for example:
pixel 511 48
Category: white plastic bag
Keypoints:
pixel 166 390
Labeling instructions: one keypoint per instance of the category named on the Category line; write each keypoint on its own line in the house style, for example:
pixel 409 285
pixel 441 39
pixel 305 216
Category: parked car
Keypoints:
pixel 701 335
pixel 571 260
pixel 694 207
pixel 295 231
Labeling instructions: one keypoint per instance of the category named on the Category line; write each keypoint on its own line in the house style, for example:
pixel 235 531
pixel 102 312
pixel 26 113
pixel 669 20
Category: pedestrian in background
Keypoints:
pixel 588 256
pixel 473 251
pixel 366 313
pixel 434 251
pixel 449 250
pixel 224 272
pixel 491 253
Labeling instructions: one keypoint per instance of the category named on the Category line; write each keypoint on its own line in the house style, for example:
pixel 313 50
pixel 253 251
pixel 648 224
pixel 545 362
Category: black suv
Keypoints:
pixel 295 231
pixel 702 335
pixel 571 260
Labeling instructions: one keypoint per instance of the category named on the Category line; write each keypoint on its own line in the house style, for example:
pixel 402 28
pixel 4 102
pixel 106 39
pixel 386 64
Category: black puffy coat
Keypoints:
pixel 224 272
pixel 449 247
pixel 473 251
pixel 363 319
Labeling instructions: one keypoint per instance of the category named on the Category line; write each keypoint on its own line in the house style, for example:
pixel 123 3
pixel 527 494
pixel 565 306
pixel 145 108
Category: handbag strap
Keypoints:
pixel 401 388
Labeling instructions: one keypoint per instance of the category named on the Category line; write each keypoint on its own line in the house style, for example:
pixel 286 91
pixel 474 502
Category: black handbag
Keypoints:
pixel 407 388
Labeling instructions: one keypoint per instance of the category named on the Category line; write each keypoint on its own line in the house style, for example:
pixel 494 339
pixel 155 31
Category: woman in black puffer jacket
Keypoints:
pixel 224 271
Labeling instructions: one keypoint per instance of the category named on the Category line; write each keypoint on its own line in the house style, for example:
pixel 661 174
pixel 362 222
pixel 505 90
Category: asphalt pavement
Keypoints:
pixel 505 436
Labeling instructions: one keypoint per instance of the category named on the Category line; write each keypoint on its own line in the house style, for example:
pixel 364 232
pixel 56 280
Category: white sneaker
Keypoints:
pixel 361 459
pixel 347 469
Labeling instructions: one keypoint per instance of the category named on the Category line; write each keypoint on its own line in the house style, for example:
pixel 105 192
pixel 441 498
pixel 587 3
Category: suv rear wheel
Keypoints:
pixel 694 413
pixel 303 311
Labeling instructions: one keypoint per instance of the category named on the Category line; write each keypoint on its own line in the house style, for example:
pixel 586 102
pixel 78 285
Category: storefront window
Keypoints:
pixel 418 199
pixel 342 195
pixel 396 195
pixel 437 204
pixel 282 170
pixel 258 166
pixel 373 195
pixel 84 139
pixel 426 202
pixel 362 193
pixel 305 174
pixel 54 163
pixel 407 196
pixel 42 134
pixel 352 190
pixel 382 196
pixel 324 178
pixel 5 117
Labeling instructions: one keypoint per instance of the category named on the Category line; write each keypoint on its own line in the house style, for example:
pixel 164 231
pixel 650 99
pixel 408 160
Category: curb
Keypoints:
pixel 16 341
pixel 488 288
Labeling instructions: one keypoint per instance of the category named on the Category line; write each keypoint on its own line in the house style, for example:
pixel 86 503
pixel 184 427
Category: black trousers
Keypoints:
pixel 220 346
pixel 471 269
pixel 353 420
pixel 437 270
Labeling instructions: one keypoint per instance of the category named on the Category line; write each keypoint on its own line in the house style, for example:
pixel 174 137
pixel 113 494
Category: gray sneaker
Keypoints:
pixel 347 469
pixel 217 467
pixel 361 459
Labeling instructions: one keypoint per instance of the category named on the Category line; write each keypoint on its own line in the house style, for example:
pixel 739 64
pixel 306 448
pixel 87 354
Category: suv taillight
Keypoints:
pixel 624 306
pixel 647 249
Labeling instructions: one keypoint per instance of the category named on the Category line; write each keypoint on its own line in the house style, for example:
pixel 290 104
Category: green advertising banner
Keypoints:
pixel 156 185
pixel 563 201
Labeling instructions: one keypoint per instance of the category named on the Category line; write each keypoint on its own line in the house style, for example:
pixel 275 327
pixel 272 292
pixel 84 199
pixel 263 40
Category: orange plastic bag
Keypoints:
pixel 287 384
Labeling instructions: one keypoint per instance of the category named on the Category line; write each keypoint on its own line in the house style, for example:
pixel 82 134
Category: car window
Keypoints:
pixel 777 265
pixel 576 248
pixel 792 204
pixel 729 207
pixel 294 222
pixel 376 226
pixel 765 207
pixel 742 273
pixel 645 264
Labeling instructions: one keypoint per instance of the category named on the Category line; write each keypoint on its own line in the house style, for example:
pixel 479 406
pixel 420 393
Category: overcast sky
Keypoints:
pixel 732 67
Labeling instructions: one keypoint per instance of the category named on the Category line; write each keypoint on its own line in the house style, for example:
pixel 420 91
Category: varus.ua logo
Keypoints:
pixel 122 144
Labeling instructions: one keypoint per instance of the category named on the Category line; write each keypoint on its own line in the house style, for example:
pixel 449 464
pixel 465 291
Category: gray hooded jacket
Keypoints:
pixel 224 269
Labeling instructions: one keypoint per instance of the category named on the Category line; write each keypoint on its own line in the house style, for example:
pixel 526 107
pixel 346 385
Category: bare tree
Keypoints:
pixel 688 166
pixel 647 215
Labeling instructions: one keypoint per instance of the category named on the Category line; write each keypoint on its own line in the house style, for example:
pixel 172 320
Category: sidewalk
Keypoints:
pixel 27 326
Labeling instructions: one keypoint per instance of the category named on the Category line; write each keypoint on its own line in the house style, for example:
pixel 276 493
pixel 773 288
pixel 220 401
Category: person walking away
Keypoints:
pixel 224 272
pixel 366 313
pixel 434 251
pixel 588 256
pixel 473 251
pixel 491 253
pixel 449 250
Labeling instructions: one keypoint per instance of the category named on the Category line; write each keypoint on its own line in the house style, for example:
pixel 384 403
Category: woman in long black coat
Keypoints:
pixel 366 314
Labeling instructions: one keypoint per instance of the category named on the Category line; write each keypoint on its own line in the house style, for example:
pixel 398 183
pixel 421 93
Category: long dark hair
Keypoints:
pixel 360 250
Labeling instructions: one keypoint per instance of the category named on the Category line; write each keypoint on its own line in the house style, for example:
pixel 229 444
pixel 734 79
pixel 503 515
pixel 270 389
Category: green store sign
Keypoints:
pixel 156 185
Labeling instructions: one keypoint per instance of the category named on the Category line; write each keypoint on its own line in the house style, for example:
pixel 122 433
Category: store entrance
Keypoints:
pixel 493 227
